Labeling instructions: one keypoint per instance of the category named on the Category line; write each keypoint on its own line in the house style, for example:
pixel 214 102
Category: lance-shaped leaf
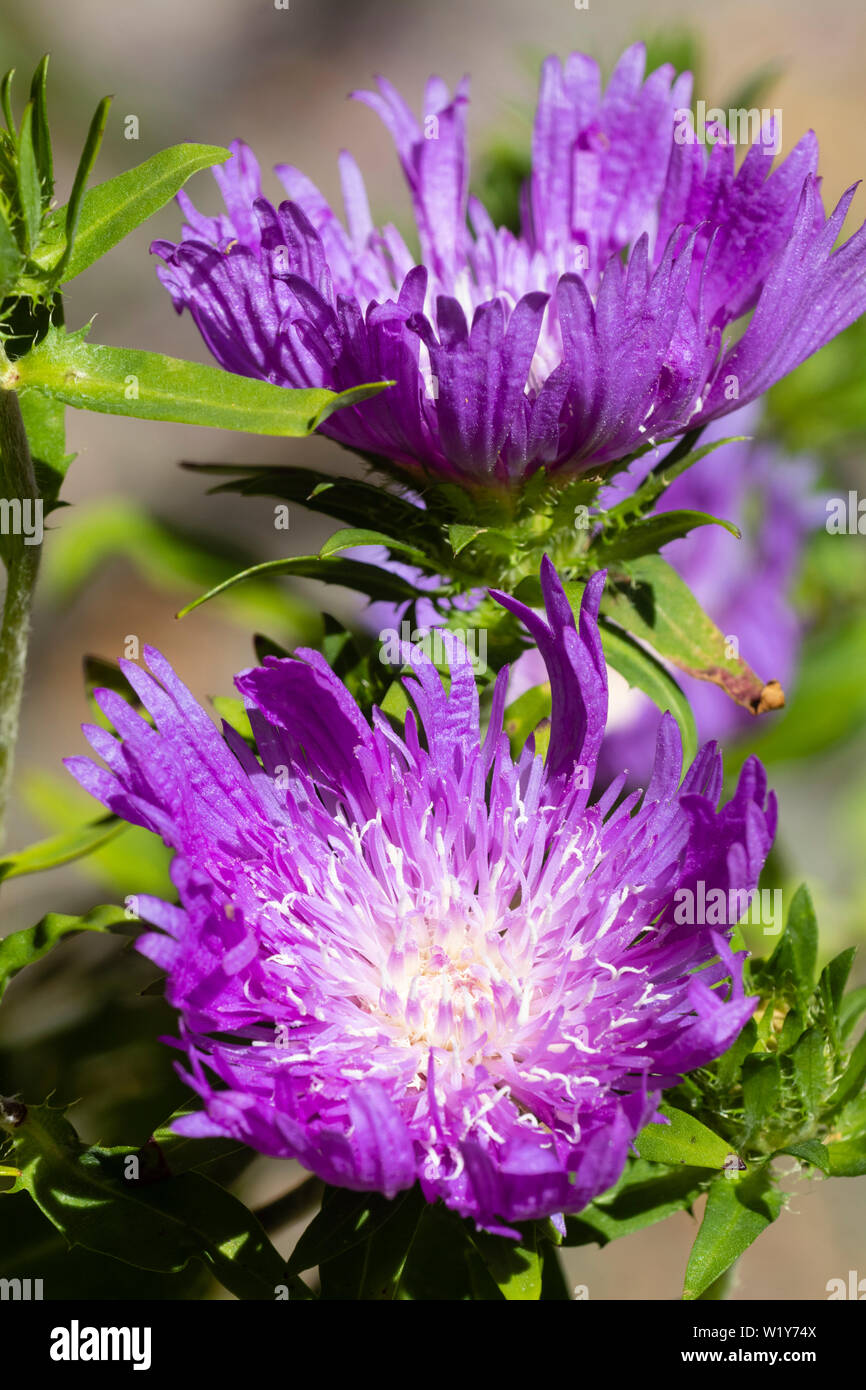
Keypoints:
pixel 514 1267
pixel 737 1211
pixel 853 1079
pixel 683 1140
pixel 61 849
pixel 150 386
pixel 346 1220
pixel 655 605
pixel 351 574
pixel 350 500
pixel 27 179
pixel 92 1197
pixel 41 132
pixel 113 209
pixel 641 669
pixel 22 948
pixel 811 1151
pixel 647 493
pixel 648 535
pixel 351 537
pixel 646 1194
pixel 182 1153
pixel 72 211
pixel 762 1085
pixel 847 1159
pixel 793 961
pixel 11 259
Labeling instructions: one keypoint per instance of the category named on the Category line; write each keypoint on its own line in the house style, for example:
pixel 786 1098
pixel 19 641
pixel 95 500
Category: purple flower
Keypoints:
pixel 402 958
pixel 601 326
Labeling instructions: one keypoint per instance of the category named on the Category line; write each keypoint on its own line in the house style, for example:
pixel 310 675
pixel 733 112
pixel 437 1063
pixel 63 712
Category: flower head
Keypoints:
pixel 406 957
pixel 599 327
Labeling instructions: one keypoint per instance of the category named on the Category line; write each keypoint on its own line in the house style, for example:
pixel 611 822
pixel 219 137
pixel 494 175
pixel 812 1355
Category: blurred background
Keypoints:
pixel 142 538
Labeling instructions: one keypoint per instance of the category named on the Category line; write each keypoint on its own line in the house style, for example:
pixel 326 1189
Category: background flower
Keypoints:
pixel 600 326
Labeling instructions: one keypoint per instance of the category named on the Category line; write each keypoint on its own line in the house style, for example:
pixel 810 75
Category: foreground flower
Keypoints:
pixel 513 353
pixel 404 959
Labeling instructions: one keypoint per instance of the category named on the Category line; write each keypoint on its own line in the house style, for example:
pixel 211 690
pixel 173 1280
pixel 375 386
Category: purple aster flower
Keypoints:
pixel 602 325
pixel 409 958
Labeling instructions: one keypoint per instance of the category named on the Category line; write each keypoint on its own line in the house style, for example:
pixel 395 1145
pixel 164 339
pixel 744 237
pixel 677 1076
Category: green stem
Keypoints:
pixel 17 481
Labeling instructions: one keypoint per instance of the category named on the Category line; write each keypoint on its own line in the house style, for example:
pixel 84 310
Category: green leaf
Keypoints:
pixel 373 1271
pixel 797 949
pixel 79 183
pixel 738 1210
pixel 442 1264
pixel 27 176
pixel 811 1068
pixel 460 536
pixel 810 1151
pixel 6 102
pixel 657 482
pixel 847 1159
pixel 853 1078
pixel 183 1154
pixel 11 259
pixel 762 1084
pixel 729 1064
pixel 351 536
pixel 646 1194
pixel 396 703
pixel 346 1220
pixel 22 948
pixel 641 669
pixel 351 500
pixel 61 849
pixel 833 979
pixel 45 423
pixel 648 535
pixel 351 574
pixel 514 1267
pixel 150 1225
pixel 41 131
pixel 853 1005
pixel 111 210
pixel 150 386
pixel 361 1242
pixel 523 715
pixel 684 1140
pixel 656 606
pixel 233 711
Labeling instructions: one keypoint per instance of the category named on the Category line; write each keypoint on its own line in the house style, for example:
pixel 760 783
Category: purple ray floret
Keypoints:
pixel 407 957
pixel 602 325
